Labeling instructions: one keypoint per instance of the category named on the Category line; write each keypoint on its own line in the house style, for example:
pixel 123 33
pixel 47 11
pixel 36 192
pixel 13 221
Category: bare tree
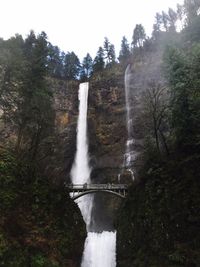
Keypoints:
pixel 155 100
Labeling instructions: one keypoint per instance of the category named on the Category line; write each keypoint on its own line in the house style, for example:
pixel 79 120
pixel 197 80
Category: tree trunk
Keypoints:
pixel 36 142
pixel 164 142
pixel 19 139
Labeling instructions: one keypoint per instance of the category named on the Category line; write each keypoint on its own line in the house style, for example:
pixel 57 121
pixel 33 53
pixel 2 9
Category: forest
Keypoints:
pixel 158 224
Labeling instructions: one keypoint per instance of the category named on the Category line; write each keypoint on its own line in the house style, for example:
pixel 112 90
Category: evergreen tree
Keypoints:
pixel 184 80
pixel 165 21
pixel 98 64
pixel 157 26
pixel 106 46
pixel 109 52
pixel 158 21
pixel 55 61
pixel 87 66
pixel 35 112
pixel 124 53
pixel 172 19
pixel 139 36
pixel 12 66
pixel 71 66
pixel 192 9
pixel 180 14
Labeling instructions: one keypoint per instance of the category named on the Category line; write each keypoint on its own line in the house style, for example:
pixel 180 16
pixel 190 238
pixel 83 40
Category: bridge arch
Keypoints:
pixel 81 194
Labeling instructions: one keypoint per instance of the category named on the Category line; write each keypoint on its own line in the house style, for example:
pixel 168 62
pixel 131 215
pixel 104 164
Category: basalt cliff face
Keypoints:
pixel 106 136
pixel 106 127
pixel 66 113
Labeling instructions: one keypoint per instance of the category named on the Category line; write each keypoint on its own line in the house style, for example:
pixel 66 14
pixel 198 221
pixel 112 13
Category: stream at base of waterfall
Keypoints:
pixel 100 248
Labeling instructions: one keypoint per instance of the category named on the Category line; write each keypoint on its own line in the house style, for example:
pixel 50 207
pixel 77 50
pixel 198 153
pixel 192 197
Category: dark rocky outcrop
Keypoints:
pixel 107 135
pixel 64 142
pixel 106 129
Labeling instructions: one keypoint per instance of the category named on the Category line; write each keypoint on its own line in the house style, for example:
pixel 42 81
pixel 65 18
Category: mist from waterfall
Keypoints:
pixel 99 247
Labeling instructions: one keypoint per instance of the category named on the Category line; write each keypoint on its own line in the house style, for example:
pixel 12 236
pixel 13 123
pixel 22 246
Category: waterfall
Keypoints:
pixel 80 172
pixel 100 250
pixel 99 247
pixel 130 154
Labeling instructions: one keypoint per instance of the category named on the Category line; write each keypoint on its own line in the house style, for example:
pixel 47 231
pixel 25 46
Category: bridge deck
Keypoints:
pixel 79 190
pixel 79 187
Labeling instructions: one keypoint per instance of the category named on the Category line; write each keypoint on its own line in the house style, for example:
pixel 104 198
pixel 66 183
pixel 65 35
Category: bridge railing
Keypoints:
pixel 97 186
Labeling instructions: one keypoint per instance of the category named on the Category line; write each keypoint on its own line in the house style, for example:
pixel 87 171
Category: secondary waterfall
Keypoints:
pixel 129 155
pixel 99 247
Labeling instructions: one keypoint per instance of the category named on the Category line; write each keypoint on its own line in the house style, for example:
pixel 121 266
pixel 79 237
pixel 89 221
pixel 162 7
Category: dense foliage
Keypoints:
pixel 158 225
pixel 39 223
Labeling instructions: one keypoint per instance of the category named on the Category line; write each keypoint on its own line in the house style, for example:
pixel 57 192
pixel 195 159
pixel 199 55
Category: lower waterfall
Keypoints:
pixel 100 248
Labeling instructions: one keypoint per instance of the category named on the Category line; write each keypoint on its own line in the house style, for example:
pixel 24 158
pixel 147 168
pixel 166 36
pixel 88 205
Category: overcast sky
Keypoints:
pixel 80 25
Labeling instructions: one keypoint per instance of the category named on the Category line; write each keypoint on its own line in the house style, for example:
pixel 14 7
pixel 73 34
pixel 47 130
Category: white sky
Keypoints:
pixel 80 25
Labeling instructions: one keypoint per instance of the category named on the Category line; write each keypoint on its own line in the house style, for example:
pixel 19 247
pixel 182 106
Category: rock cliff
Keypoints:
pixel 106 135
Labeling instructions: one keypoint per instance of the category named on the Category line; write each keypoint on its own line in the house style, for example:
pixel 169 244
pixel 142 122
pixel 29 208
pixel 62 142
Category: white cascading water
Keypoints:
pixel 129 155
pixel 80 172
pixel 100 248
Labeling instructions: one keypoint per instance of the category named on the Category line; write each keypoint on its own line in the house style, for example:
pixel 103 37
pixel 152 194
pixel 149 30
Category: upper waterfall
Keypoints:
pixel 80 172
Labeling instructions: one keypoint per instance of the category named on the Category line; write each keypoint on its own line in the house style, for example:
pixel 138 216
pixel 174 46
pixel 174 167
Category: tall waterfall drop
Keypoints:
pixel 129 155
pixel 100 248
pixel 80 172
